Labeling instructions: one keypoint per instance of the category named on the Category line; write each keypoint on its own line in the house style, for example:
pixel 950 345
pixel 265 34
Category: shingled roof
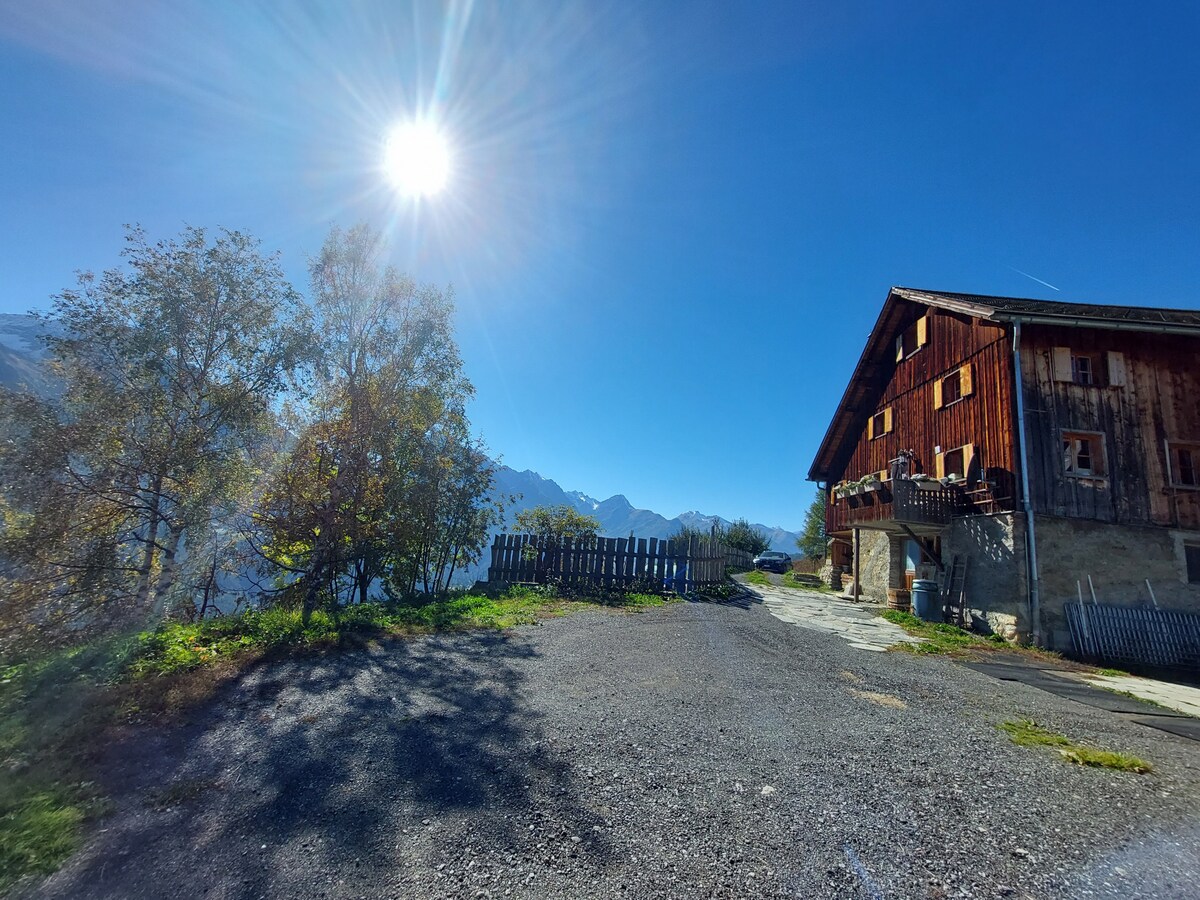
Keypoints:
pixel 877 360
pixel 1021 309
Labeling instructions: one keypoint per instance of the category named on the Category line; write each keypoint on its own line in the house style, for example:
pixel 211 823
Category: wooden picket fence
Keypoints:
pixel 612 562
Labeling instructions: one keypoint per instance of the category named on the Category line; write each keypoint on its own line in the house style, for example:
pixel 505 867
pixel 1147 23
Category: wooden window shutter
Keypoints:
pixel 923 331
pixel 900 348
pixel 939 465
pixel 1116 369
pixel 937 394
pixel 871 428
pixel 966 384
pixel 1062 364
pixel 884 475
pixel 968 457
pixel 887 421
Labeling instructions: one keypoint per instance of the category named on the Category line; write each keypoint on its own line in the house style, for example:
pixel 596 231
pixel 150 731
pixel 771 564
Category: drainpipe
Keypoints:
pixel 1035 604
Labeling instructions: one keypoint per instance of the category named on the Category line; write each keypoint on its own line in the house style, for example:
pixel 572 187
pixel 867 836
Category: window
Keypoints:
pixel 953 387
pixel 1088 368
pixel 1191 556
pixel 879 424
pixel 1184 460
pixel 1081 369
pixel 1083 454
pixel 956 463
pixel 914 338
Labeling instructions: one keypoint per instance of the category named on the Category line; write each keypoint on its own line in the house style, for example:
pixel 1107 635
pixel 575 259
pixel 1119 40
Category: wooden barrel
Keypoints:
pixel 898 598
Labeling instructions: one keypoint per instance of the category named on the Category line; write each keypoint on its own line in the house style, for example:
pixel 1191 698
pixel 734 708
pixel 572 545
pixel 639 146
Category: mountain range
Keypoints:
pixel 618 517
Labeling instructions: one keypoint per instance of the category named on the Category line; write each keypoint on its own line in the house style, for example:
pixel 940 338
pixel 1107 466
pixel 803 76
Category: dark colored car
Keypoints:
pixel 776 562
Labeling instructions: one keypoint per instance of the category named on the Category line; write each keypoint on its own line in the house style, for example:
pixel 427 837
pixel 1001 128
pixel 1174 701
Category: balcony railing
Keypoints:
pixel 924 505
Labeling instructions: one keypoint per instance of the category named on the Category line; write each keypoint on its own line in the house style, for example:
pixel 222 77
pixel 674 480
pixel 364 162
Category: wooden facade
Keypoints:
pixel 912 403
pixel 1106 430
pixel 1143 401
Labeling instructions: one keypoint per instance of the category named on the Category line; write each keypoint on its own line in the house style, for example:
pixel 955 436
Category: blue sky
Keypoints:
pixel 669 226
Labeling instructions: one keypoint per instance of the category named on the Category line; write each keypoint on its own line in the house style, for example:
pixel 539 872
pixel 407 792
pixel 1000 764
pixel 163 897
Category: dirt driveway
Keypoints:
pixel 696 750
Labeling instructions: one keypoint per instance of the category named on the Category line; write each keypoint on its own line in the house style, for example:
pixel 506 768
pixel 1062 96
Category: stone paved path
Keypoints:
pixel 1180 697
pixel 852 622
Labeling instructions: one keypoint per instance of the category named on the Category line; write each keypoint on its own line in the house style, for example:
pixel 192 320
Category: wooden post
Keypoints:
pixel 857 559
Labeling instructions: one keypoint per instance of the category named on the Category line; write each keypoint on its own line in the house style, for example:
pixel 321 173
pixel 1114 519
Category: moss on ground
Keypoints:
pixel 1027 733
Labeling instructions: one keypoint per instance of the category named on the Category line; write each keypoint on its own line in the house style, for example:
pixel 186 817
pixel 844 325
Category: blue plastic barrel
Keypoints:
pixel 925 600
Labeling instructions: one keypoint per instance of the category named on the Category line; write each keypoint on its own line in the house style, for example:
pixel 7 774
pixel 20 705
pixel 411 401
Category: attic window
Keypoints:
pixel 1088 369
pixel 1081 369
pixel 913 339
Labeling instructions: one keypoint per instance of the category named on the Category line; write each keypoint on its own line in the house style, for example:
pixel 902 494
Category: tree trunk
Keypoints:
pixel 166 577
pixel 150 546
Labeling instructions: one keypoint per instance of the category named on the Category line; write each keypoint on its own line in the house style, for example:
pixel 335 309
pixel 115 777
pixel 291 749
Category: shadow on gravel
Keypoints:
pixel 302 769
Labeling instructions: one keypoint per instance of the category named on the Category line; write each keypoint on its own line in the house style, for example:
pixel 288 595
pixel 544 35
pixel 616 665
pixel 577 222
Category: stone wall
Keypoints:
pixel 874 563
pixel 1119 558
pixel 996 595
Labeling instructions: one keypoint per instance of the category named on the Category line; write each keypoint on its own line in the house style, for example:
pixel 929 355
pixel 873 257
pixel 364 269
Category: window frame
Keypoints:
pixel 1095 438
pixel 919 330
pixel 1191 562
pixel 1174 448
pixel 888 420
pixel 966 386
pixel 1079 373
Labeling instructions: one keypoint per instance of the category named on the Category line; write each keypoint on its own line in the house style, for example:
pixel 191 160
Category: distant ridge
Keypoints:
pixel 618 517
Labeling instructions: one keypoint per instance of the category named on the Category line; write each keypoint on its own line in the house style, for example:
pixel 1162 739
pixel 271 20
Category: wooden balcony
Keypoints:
pixel 923 507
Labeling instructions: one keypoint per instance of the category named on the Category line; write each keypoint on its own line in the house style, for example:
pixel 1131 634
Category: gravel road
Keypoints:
pixel 697 750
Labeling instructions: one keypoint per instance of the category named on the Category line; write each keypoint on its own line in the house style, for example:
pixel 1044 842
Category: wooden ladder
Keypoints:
pixel 954 599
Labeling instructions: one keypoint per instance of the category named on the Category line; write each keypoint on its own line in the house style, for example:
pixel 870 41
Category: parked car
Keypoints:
pixel 773 560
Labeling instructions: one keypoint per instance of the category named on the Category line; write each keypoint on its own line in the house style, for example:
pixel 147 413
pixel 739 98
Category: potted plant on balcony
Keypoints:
pixel 926 483
pixel 872 483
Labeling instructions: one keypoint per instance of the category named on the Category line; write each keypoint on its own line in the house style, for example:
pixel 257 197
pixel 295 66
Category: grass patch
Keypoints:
pixel 37 832
pixel 938 637
pixel 1027 733
pixel 806 583
pixel 178 647
pixel 759 577
pixel 951 640
pixel 1113 673
pixel 1132 696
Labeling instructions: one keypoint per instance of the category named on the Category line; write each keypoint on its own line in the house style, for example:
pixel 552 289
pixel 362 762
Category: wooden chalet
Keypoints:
pixel 1023 452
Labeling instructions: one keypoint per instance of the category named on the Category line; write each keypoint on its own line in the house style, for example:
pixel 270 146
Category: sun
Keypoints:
pixel 416 158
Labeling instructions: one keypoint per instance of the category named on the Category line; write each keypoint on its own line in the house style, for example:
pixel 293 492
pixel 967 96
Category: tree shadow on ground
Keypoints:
pixel 339 769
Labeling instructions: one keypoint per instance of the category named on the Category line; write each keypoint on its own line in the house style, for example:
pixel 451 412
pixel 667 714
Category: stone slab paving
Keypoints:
pixel 1179 697
pixel 852 622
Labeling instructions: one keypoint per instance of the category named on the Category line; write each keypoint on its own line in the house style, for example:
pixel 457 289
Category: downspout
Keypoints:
pixel 1035 604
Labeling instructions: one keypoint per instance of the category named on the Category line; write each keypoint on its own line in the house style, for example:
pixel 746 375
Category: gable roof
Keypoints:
pixel 1055 312
pixel 877 361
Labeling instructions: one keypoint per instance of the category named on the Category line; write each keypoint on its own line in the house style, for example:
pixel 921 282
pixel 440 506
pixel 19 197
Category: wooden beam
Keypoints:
pixel 924 550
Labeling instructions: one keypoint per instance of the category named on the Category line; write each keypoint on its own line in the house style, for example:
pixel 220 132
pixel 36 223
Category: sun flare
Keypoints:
pixel 416 158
